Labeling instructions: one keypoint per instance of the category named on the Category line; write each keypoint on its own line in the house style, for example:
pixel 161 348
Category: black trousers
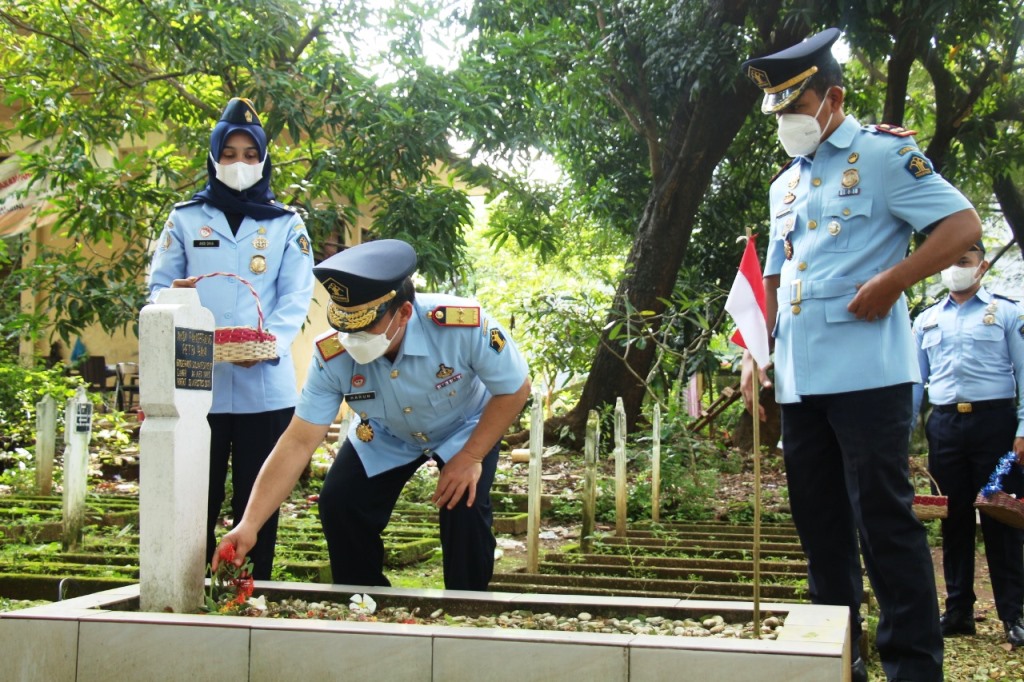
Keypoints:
pixel 246 441
pixel 963 450
pixel 846 458
pixel 355 510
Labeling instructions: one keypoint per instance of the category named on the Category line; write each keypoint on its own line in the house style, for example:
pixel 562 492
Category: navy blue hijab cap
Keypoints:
pixel 257 202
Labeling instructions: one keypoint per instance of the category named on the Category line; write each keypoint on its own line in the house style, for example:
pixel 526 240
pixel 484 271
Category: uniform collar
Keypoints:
pixel 981 294
pixel 415 341
pixel 219 223
pixel 842 137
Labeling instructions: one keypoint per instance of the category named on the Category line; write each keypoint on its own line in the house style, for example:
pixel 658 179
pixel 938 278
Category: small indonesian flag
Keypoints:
pixel 746 304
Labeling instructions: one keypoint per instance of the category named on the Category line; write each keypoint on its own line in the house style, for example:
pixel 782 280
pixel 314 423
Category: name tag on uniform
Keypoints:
pixel 205 243
pixel 849 192
pixel 365 395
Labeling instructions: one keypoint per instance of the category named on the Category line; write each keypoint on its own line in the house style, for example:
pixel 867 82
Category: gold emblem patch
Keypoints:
pixel 364 431
pixel 918 166
pixel 260 243
pixel 258 265
pixel 497 343
pixel 444 372
pixel 303 243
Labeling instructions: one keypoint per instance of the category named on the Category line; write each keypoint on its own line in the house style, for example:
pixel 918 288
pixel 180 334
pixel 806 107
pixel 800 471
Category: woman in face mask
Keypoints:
pixel 234 226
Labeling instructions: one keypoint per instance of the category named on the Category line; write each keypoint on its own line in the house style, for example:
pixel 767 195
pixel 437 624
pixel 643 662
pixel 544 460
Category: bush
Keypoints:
pixel 20 389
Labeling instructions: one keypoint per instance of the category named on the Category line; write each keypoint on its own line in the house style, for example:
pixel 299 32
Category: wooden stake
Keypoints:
pixel 620 469
pixel 534 493
pixel 656 464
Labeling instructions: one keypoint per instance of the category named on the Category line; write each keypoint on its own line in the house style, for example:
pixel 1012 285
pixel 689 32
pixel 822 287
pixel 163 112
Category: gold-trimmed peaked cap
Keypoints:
pixel 362 280
pixel 784 75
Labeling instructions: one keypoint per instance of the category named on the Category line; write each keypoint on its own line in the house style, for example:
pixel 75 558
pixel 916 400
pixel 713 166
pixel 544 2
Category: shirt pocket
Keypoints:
pixel 987 333
pixel 930 338
pixel 846 224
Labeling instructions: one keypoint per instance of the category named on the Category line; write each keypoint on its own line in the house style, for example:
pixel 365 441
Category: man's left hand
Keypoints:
pixel 459 477
pixel 1018 449
pixel 875 297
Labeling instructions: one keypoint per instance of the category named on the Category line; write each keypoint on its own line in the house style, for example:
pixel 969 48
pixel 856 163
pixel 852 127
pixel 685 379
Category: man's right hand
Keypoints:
pixel 242 539
pixel 747 383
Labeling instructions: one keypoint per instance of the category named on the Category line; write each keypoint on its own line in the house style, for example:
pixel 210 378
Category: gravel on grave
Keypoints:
pixel 705 626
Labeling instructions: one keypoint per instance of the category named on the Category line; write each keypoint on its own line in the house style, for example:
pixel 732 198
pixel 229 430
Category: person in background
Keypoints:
pixel 971 353
pixel 428 376
pixel 234 226
pixel 842 212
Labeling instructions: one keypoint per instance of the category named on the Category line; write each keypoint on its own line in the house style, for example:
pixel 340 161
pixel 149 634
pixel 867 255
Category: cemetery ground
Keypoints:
pixel 716 488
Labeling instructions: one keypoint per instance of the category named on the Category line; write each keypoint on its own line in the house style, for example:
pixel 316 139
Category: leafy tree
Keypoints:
pixel 120 96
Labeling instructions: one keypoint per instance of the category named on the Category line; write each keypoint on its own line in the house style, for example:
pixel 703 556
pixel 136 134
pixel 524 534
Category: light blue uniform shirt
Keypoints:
pixel 429 400
pixel 276 258
pixel 849 213
pixel 963 359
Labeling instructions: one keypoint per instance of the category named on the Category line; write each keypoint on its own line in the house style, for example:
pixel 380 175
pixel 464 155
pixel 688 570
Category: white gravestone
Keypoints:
pixel 77 431
pixel 175 393
pixel 46 442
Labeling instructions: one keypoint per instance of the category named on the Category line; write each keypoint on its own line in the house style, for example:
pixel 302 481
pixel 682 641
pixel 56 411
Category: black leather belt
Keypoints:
pixel 978 406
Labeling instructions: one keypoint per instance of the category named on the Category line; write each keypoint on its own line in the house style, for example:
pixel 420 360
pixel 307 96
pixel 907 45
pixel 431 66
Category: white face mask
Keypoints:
pixel 800 134
pixel 239 175
pixel 956 278
pixel 365 347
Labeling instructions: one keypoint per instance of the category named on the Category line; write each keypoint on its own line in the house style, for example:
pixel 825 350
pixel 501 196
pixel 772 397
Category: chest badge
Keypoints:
pixel 789 198
pixel 258 264
pixel 364 431
pixel 788 247
pixel 260 243
pixel 358 380
pixel 834 228
pixel 794 182
pixel 852 158
pixel 443 372
pixel 205 231
pixel 990 313
pixel 850 178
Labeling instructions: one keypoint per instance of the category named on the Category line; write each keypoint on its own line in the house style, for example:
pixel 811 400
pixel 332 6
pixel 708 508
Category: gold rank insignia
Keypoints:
pixel 260 243
pixel 850 178
pixel 329 345
pixel 455 316
pixel 258 265
pixel 443 371
pixel 852 158
pixel 898 131
pixel 364 431
pixel 497 343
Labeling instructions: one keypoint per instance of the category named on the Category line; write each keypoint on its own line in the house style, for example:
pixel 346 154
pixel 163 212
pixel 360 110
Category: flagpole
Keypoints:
pixel 755 412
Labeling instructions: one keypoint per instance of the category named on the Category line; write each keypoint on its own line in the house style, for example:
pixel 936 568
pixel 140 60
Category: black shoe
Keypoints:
pixel 1014 632
pixel 858 671
pixel 957 623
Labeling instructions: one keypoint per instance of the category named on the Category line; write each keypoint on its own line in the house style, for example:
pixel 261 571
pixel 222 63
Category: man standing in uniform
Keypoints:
pixel 841 216
pixel 972 359
pixel 429 377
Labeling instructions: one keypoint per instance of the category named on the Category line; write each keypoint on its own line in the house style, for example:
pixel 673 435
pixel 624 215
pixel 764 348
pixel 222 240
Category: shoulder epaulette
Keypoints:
pixel 898 131
pixel 455 316
pixel 782 170
pixel 189 202
pixel 328 345
pixel 1005 298
pixel 286 207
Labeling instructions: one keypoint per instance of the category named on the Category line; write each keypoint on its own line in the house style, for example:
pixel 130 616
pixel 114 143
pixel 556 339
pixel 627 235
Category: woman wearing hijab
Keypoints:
pixel 234 226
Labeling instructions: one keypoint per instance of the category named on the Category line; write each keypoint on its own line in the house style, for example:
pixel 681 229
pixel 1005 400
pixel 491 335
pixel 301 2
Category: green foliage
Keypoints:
pixel 20 389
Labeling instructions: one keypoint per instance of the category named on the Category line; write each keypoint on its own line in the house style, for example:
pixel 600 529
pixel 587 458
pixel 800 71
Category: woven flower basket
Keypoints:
pixel 242 344
pixel 993 501
pixel 928 507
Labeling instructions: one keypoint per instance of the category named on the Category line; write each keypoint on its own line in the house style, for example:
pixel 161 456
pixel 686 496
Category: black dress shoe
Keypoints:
pixel 953 623
pixel 1014 632
pixel 858 671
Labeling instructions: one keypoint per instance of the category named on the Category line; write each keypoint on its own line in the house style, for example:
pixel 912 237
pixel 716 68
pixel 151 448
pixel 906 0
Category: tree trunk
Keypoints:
pixel 657 253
